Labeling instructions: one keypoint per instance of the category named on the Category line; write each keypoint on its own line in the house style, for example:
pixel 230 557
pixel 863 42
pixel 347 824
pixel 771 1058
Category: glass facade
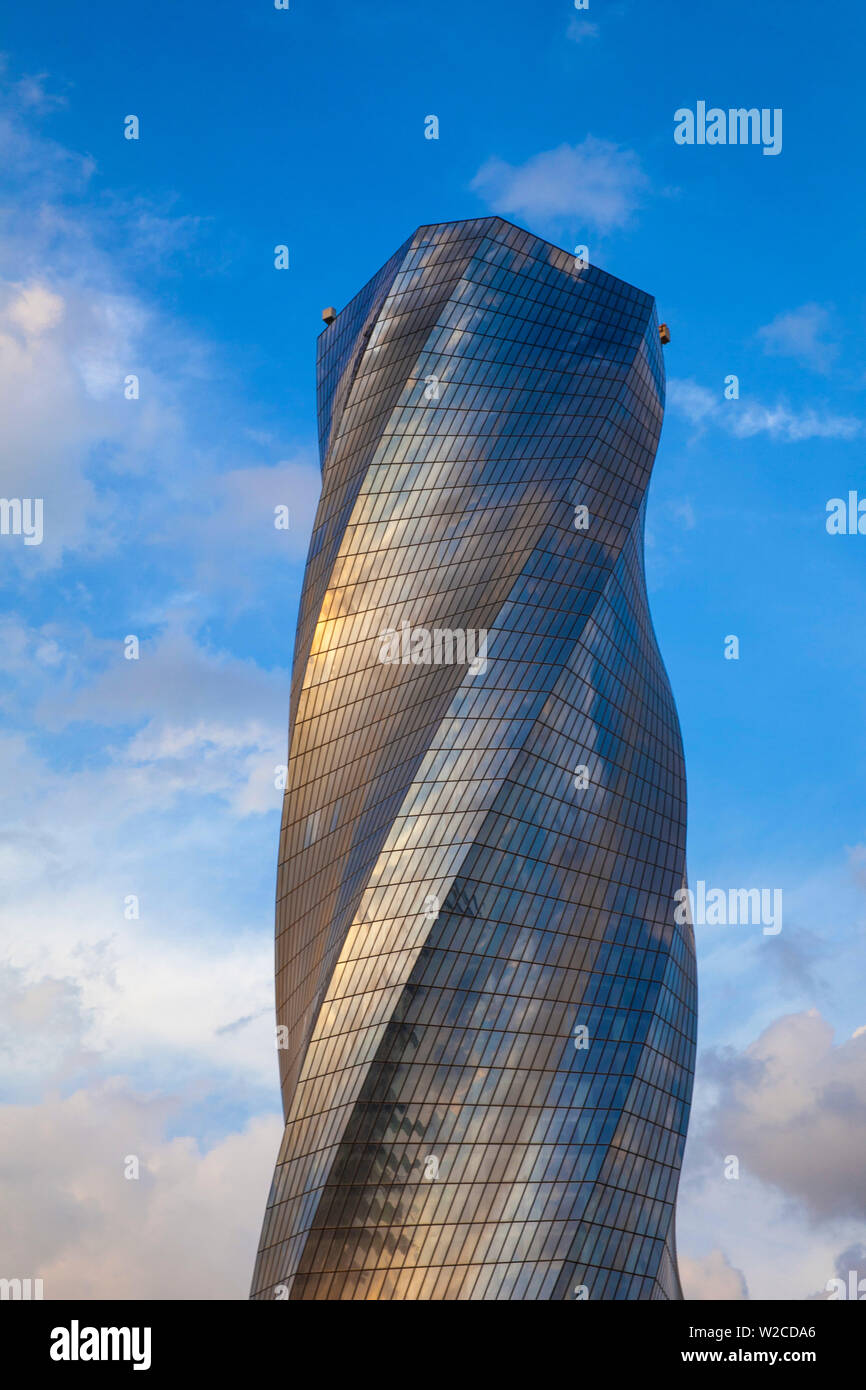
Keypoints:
pixel 487 1008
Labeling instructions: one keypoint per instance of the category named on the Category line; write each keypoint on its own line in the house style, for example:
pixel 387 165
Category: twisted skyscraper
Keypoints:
pixel 486 1008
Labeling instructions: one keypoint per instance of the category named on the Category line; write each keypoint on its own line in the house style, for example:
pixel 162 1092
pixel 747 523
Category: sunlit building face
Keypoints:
pixel 485 1006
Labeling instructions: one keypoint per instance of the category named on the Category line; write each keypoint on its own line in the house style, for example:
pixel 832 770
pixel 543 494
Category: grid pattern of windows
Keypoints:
pixel 490 1009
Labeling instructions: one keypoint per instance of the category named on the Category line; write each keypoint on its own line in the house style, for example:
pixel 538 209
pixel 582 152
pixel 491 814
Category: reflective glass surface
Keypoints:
pixel 490 1009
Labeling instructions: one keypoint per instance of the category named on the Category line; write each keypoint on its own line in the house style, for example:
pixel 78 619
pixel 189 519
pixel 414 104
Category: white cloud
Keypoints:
pixel 187 1228
pixel 159 813
pixel 579 29
pixel 234 513
pixel 763 1236
pixel 199 721
pixel 176 680
pixel 593 184
pixel 65 352
pixel 120 778
pixel 801 334
pixel 73 328
pixel 711 1277
pixel 34 310
pixel 31 92
pixel 744 419
pixel 793 1106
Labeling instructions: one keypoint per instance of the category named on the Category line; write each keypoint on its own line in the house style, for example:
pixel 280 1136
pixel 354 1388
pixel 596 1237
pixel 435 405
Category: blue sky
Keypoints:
pixel 155 778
